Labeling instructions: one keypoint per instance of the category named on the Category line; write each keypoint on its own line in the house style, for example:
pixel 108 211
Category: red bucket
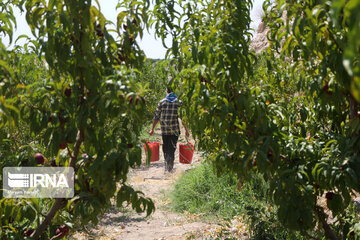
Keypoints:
pixel 186 152
pixel 154 148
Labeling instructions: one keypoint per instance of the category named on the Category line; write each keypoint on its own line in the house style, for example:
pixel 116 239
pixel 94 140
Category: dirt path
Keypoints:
pixel 163 224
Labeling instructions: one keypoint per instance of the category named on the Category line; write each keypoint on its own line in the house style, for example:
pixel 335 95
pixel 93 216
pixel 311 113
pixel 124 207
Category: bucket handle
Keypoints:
pixel 188 146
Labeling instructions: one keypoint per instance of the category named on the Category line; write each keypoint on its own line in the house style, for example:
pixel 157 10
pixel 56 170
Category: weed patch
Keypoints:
pixel 200 191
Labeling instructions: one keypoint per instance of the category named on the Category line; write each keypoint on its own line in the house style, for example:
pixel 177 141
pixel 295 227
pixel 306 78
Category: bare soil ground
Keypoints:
pixel 163 224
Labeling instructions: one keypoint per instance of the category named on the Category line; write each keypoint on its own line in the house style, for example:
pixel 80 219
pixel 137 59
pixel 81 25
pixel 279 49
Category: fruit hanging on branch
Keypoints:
pixel 62 146
pixel 67 92
pixel 39 158
pixel 61 232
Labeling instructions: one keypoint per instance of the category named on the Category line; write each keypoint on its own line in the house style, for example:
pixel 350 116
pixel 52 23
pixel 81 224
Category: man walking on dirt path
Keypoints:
pixel 167 114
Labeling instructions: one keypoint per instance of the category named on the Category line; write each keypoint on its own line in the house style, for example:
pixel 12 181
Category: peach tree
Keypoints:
pixel 73 92
pixel 290 113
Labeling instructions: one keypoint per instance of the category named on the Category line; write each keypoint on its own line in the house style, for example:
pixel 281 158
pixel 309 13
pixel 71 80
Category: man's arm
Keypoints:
pixel 156 118
pixel 155 121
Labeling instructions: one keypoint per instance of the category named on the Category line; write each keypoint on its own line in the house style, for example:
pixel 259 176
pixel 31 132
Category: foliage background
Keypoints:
pixel 290 114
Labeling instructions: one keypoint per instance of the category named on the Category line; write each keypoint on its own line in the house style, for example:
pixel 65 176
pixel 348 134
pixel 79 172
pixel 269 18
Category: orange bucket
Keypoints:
pixel 154 148
pixel 186 152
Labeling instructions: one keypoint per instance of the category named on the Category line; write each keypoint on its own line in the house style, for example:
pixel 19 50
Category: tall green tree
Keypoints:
pixel 317 38
pixel 290 114
pixel 84 102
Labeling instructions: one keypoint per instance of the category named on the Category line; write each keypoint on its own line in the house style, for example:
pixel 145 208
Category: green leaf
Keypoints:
pixel 355 88
pixel 51 4
pixel 352 174
pixel 335 204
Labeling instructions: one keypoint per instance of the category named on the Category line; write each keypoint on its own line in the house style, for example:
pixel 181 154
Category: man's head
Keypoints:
pixel 168 90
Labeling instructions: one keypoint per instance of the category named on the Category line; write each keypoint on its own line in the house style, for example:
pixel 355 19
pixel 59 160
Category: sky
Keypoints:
pixel 152 47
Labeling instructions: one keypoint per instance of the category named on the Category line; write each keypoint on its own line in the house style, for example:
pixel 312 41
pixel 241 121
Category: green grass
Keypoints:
pixel 200 191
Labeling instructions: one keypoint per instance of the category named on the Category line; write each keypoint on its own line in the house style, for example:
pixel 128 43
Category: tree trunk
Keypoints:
pixel 329 233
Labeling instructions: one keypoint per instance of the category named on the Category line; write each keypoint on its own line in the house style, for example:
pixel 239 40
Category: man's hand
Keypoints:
pixel 153 126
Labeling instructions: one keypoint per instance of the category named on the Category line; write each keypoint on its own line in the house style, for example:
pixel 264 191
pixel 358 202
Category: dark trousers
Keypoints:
pixel 169 147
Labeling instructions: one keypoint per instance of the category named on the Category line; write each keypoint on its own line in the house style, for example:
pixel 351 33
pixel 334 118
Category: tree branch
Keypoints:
pixel 329 233
pixel 335 41
pixel 248 127
pixel 79 140
pixel 60 202
pixel 353 107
